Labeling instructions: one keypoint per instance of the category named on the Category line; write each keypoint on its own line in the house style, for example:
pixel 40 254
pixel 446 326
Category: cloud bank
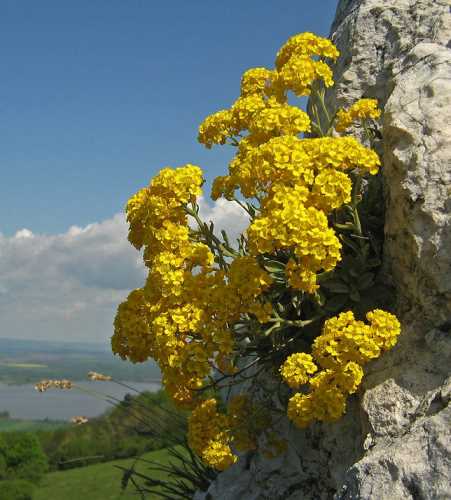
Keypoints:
pixel 67 286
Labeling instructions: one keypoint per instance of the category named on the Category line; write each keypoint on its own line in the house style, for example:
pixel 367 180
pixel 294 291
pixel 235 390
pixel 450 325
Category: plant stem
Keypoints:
pixel 355 213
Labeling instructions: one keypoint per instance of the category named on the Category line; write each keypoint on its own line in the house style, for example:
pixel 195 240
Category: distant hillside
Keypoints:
pixel 139 423
pixel 28 361
pixel 11 346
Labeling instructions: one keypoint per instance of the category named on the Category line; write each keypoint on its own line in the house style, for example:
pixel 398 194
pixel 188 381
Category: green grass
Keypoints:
pixel 94 482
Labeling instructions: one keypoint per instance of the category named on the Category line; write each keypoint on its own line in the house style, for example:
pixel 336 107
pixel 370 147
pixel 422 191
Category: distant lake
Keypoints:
pixel 23 401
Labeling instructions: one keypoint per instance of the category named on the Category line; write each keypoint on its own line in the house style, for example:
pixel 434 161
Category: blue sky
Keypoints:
pixel 95 97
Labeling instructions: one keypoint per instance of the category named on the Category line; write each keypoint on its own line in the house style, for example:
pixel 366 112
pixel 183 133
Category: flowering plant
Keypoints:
pixel 286 299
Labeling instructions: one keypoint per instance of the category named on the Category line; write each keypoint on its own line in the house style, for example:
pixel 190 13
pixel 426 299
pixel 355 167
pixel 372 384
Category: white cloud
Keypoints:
pixel 226 215
pixel 24 233
pixel 67 286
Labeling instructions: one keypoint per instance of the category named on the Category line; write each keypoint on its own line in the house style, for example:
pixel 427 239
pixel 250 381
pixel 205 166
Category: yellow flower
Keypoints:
pixel 162 201
pixel 279 119
pixel 305 44
pixel 300 71
pixel 209 437
pixel 300 278
pixel 192 313
pixel 247 278
pixel 296 369
pixel 300 409
pixel 385 328
pixel 360 110
pixel 255 81
pixel 288 224
pixel 216 128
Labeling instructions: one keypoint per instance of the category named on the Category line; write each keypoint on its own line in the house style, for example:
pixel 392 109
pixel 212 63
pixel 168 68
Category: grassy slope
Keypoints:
pixel 95 482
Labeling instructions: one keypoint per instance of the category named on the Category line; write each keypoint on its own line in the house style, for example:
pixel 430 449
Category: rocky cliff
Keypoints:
pixel 394 441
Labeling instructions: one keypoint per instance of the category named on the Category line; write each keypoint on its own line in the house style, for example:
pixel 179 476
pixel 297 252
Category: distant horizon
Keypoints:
pixel 53 341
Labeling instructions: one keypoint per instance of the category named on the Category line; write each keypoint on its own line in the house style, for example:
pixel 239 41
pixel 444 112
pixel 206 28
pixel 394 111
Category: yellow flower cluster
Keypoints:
pixel 216 128
pixel 262 117
pixel 297 368
pixel 262 107
pixel 162 202
pixel 200 295
pixel 305 44
pixel 286 223
pixel 345 339
pixel 296 69
pixel 209 435
pixel 182 315
pixel 300 278
pixel 160 320
pixel 278 119
pixel 344 346
pixel 298 73
pixel 246 283
pixel 360 110
pixel 256 81
pixel 213 435
pixel 293 161
pixel 299 182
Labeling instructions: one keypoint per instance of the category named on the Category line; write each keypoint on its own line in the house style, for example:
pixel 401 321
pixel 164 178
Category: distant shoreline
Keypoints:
pixel 23 402
pixel 128 382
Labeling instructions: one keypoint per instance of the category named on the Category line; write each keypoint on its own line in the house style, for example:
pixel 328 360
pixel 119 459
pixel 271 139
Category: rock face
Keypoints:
pixel 394 442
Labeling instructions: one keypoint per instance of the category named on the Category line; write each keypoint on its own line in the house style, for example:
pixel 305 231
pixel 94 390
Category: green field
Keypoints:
pixel 94 482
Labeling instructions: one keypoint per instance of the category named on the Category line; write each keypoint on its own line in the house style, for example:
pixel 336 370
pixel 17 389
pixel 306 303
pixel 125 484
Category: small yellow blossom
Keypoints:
pixel 209 437
pixel 255 81
pixel 305 44
pixel 360 110
pixel 297 368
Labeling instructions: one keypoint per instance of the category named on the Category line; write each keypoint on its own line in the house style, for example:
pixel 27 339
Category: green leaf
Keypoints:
pixel 348 226
pixel 349 242
pixel 225 237
pixel 355 295
pixel 274 266
pixel 365 281
pixel 346 277
pixel 325 276
pixel 320 298
pixel 271 329
pixel 336 303
pixel 354 272
pixel 374 262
